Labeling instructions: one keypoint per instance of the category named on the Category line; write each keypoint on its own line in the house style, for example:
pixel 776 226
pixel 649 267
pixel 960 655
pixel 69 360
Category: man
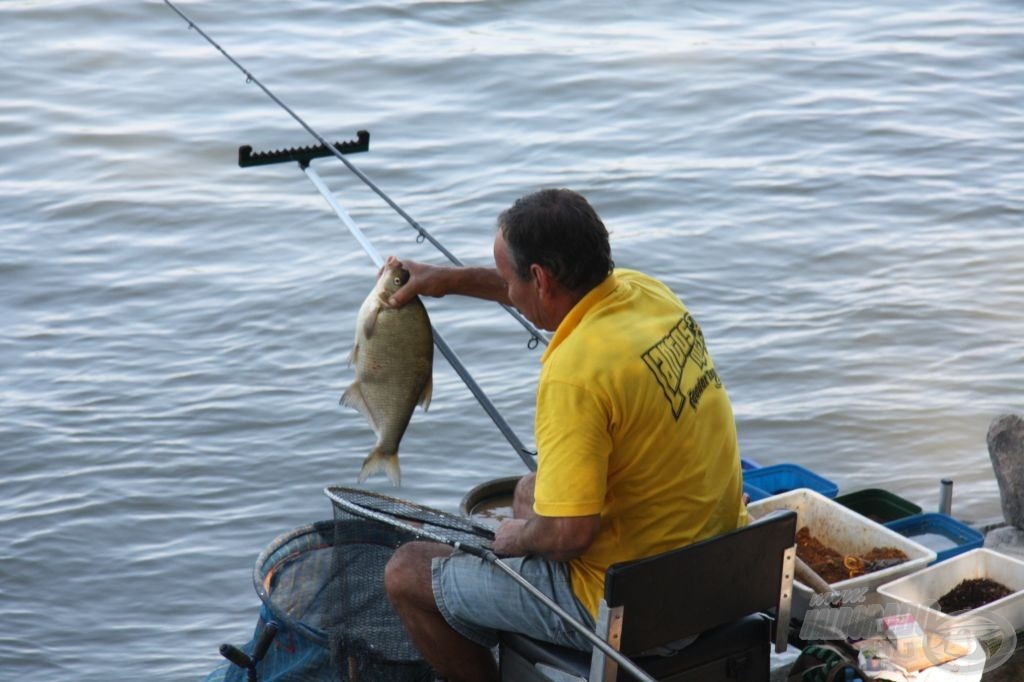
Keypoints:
pixel 636 441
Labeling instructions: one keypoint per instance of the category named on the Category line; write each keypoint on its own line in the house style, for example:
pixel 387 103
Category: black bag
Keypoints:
pixel 826 663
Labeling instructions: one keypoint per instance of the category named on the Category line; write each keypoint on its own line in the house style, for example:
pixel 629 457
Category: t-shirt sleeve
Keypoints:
pixel 573 445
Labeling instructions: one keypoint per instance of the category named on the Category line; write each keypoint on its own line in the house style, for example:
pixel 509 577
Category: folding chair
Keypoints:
pixel 718 590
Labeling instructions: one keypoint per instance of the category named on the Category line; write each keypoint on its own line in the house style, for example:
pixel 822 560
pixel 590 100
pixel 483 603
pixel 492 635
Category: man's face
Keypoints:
pixel 522 293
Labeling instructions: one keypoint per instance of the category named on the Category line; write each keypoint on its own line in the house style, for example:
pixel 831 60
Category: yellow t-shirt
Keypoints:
pixel 633 423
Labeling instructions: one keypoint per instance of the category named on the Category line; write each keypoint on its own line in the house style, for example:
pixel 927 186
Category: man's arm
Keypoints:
pixel 437 281
pixel 556 538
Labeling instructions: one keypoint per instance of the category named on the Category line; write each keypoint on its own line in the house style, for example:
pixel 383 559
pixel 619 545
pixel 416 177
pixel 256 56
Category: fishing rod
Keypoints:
pixel 536 336
pixel 303 157
pixel 442 345
pixel 424 522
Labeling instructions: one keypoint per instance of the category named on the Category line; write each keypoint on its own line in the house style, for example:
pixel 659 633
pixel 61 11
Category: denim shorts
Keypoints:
pixel 478 599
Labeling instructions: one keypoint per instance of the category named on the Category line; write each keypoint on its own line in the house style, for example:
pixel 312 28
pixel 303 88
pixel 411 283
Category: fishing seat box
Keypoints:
pixel 719 589
pixel 713 656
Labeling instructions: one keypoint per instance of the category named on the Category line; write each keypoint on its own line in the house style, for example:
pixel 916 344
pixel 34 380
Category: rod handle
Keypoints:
pixel 236 656
pixel 263 643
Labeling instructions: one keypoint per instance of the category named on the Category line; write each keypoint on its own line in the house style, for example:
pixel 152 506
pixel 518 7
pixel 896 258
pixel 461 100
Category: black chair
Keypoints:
pixel 718 590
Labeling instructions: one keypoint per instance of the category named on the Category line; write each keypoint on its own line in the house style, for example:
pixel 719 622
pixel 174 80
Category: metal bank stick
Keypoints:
pixel 303 156
pixel 246 158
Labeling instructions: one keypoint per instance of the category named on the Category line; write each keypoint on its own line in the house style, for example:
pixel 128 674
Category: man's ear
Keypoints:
pixel 542 279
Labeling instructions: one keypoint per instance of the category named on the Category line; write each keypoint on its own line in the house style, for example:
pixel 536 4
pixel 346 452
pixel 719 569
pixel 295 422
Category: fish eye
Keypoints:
pixel 397 280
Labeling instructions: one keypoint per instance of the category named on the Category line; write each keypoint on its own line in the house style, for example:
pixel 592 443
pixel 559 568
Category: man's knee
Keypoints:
pixel 398 573
pixel 407 576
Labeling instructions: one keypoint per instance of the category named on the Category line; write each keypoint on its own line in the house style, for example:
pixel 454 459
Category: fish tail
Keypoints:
pixel 377 460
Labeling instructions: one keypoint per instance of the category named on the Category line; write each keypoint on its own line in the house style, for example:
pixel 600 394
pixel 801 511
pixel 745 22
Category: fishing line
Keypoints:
pixel 536 335
pixel 525 454
pixel 391 511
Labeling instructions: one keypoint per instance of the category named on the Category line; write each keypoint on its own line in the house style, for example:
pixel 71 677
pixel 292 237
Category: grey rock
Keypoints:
pixel 1006 449
pixel 1007 540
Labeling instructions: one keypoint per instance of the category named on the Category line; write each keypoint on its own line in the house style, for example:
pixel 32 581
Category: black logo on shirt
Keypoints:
pixel 668 359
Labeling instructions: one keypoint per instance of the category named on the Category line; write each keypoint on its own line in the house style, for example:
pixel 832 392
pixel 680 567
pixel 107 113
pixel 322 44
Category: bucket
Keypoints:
pixel 491 501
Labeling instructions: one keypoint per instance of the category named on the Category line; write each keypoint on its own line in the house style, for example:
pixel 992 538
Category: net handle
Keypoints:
pixel 492 558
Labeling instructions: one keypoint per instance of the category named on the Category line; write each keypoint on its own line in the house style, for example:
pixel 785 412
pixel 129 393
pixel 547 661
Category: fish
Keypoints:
pixel 394 357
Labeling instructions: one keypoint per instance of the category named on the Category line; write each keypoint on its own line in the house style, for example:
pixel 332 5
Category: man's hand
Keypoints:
pixel 506 538
pixel 557 538
pixel 424 280
pixel 440 280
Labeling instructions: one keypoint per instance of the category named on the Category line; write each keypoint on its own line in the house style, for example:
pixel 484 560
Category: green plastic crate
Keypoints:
pixel 878 505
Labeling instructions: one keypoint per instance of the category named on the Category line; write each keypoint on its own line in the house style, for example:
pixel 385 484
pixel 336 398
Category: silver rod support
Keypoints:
pixel 946 496
pixel 526 455
pixel 360 236
pixel 536 335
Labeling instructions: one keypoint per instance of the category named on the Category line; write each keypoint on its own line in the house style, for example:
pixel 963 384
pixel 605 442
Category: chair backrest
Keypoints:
pixel 668 597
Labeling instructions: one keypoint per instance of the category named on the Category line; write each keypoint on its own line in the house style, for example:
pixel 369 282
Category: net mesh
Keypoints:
pixel 366 638
pixel 323 585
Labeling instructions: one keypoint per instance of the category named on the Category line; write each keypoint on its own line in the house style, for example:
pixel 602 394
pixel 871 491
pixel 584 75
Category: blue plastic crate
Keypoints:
pixel 781 478
pixel 748 464
pixel 755 492
pixel 941 533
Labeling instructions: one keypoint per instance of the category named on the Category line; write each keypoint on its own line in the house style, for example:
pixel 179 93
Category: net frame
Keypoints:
pixel 367 640
pixel 423 522
pixel 463 534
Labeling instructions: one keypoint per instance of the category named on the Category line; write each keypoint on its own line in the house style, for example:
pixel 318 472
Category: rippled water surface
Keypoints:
pixel 834 188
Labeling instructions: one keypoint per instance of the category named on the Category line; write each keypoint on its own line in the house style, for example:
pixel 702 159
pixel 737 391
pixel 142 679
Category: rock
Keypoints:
pixel 1008 540
pixel 1006 449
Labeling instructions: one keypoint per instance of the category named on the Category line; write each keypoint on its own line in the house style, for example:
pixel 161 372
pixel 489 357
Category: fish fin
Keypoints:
pixel 353 397
pixel 428 390
pixel 377 460
pixel 371 320
pixel 353 356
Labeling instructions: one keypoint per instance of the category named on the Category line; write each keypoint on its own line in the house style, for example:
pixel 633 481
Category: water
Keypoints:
pixel 934 541
pixel 835 189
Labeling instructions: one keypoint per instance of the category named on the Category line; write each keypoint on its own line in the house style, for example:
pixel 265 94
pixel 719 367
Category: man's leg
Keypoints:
pixel 408 582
